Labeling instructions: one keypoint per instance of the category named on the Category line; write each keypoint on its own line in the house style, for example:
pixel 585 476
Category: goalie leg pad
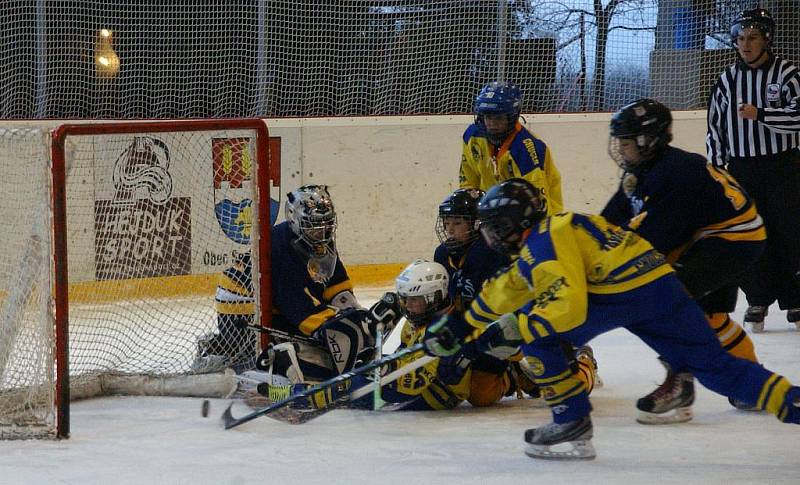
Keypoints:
pixel 348 339
pixel 301 362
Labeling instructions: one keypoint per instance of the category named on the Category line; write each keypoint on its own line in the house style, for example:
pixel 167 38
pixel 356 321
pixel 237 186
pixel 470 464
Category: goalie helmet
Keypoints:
pixel 647 123
pixel 422 290
pixel 757 18
pixel 457 224
pixel 311 216
pixel 498 98
pixel 507 211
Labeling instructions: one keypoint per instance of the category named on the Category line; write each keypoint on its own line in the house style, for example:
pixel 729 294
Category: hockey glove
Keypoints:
pixel 443 338
pixel 502 338
pixel 266 358
pixel 386 311
pixel 452 369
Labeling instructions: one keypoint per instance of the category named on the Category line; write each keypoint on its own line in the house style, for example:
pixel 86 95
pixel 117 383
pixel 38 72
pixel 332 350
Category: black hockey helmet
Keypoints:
pixel 645 121
pixel 757 18
pixel 463 203
pixel 507 211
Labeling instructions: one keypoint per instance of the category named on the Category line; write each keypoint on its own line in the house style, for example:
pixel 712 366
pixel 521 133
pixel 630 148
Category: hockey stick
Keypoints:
pixel 377 399
pixel 280 333
pixel 230 422
pixel 290 415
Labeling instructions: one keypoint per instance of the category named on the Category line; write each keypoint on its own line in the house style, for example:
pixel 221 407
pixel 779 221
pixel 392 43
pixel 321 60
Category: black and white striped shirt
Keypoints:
pixel 774 89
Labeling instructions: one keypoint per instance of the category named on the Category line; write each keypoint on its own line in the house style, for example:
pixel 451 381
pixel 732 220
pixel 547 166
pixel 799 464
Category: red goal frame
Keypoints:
pixel 264 175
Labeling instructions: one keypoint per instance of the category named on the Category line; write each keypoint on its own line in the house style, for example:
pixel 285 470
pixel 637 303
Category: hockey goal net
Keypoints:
pixel 113 236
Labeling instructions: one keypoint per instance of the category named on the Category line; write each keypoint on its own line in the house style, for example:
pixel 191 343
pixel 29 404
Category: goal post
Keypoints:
pixel 138 220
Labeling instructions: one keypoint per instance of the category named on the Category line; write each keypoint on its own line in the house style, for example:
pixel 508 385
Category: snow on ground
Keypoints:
pixel 165 440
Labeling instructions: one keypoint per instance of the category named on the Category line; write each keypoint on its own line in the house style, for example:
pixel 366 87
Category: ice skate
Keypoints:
pixel 568 441
pixel 670 403
pixel 793 316
pixel 755 317
pixel 208 364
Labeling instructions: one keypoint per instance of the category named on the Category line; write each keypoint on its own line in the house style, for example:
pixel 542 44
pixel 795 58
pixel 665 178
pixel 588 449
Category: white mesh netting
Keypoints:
pixel 152 219
pixel 271 58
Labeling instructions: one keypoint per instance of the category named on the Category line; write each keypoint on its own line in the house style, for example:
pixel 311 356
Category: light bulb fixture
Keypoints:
pixel 106 61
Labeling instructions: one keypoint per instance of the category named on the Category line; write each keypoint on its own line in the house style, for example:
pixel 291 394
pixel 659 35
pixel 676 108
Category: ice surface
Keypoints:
pixel 165 440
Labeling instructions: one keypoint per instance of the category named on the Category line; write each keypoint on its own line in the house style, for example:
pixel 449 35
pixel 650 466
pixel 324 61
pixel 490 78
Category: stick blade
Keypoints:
pixel 228 421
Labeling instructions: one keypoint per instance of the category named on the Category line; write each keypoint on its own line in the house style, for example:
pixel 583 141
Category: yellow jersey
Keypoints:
pixel 563 260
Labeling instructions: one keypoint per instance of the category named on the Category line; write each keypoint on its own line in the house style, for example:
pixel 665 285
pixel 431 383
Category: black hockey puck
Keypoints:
pixel 205 407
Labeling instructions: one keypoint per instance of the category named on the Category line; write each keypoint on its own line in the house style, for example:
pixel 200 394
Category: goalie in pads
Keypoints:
pixel 320 329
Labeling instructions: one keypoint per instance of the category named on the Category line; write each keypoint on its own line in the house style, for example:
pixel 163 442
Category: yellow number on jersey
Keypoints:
pixel 730 186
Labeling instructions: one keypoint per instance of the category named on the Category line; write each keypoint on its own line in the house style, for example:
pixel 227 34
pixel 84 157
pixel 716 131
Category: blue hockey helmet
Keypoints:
pixel 499 98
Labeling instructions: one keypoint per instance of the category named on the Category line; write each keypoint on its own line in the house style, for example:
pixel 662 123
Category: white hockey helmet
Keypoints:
pixel 311 215
pixel 422 289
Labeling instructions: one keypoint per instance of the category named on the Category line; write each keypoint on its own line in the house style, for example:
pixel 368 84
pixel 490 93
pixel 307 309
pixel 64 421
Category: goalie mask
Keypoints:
pixel 639 132
pixel 422 289
pixel 498 98
pixel 312 218
pixel 507 211
pixel 457 224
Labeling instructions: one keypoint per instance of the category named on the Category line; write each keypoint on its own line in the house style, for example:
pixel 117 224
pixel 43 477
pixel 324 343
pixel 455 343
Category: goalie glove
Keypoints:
pixel 502 338
pixel 386 311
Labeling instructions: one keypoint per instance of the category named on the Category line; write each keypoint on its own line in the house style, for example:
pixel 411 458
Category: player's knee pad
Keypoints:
pixel 486 388
pixel 732 336
pixel 348 338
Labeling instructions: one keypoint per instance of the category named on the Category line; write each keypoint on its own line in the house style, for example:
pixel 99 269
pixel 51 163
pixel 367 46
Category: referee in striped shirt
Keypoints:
pixel 754 129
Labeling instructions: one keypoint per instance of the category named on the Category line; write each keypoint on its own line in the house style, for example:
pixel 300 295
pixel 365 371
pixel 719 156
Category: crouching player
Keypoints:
pixel 440 384
pixel 577 276
pixel 320 329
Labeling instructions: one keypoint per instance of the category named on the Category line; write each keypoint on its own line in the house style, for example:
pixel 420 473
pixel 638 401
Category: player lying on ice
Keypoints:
pixel 422 288
pixel 577 276
pixel 443 383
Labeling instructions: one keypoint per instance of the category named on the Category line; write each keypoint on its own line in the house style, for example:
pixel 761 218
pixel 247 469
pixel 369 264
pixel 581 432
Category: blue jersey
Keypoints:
pixel 468 270
pixel 679 199
pixel 300 304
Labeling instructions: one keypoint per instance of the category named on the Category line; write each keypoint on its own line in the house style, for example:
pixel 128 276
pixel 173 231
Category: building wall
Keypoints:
pixel 387 176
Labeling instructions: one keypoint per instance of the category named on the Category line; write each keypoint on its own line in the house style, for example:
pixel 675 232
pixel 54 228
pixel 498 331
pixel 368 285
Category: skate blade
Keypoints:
pixel 757 327
pixel 677 415
pixel 568 450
